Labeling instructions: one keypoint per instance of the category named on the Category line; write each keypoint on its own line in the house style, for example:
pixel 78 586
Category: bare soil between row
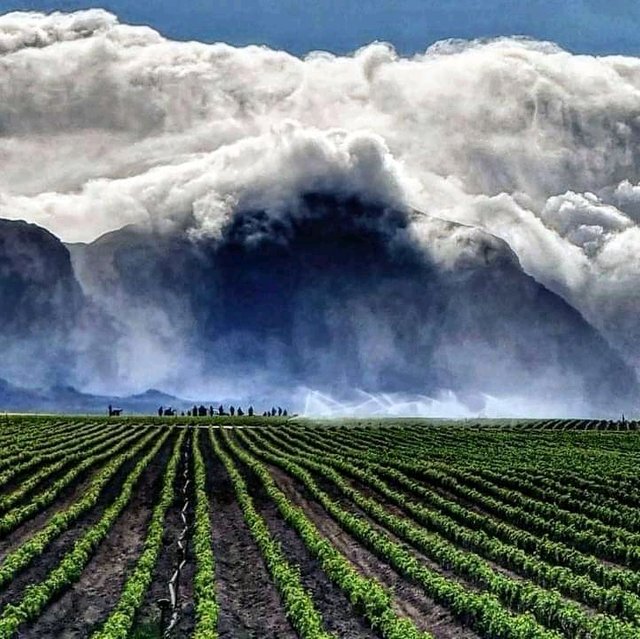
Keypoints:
pixel 78 611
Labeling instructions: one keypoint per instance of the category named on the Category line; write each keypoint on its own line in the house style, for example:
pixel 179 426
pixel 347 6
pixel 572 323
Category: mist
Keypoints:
pixel 212 152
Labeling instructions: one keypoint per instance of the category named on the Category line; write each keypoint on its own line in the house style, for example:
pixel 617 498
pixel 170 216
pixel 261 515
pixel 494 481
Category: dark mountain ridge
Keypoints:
pixel 334 294
pixel 40 303
pixel 338 295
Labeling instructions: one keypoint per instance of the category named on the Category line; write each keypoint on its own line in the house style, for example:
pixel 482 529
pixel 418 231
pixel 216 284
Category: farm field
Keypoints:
pixel 253 528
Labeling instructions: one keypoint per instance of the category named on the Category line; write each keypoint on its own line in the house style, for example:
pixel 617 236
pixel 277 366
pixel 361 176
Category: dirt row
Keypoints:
pixel 409 600
pixel 86 603
pixel 149 622
pixel 249 604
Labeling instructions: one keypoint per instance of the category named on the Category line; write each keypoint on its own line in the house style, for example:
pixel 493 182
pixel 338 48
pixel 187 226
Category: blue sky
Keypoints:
pixel 582 26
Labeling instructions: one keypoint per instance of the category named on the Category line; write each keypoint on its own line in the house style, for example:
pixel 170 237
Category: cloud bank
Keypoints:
pixel 104 124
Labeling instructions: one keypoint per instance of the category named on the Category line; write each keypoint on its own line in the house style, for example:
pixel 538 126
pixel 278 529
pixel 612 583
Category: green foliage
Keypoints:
pixel 298 603
pixel 547 606
pixel 206 605
pixel 71 565
pixel 121 619
pixel 485 611
pixel 14 517
pixel 521 530
pixel 367 596
pixel 21 557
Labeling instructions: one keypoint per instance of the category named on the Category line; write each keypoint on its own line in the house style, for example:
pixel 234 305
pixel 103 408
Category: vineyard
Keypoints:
pixel 252 528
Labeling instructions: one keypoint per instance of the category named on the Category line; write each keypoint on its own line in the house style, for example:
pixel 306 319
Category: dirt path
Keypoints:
pixel 88 602
pixel 250 606
pixel 409 600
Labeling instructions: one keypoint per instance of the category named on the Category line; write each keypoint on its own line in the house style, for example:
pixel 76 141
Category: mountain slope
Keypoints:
pixel 339 295
pixel 40 303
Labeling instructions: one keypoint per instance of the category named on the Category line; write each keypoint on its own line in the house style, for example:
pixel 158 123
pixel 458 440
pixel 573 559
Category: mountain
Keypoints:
pixel 337 294
pixel 50 333
pixel 40 303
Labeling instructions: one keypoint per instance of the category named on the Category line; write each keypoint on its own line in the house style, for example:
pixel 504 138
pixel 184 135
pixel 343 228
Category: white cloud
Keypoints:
pixel 267 172
pixel 102 124
pixel 23 30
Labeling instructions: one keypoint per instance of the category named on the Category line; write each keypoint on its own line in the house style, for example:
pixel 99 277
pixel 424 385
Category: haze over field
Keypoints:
pixel 456 232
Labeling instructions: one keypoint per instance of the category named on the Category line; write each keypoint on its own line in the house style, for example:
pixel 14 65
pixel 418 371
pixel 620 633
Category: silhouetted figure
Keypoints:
pixel 232 411
pixel 221 410
pixel 160 411
pixel 188 413
pixel 284 412
pixel 211 411
pixel 273 412
pixel 240 411
pixel 279 411
pixel 250 411
pixel 182 414
pixel 114 412
pixel 194 411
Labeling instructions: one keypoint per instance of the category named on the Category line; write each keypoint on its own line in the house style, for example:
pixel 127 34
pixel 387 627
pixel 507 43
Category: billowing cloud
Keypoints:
pixel 24 30
pixel 104 124
pixel 268 172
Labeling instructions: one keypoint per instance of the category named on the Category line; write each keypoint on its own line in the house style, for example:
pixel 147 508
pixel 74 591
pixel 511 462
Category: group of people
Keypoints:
pixel 203 411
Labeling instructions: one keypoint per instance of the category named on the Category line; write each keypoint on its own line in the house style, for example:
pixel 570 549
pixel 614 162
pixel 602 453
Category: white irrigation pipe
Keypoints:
pixel 174 582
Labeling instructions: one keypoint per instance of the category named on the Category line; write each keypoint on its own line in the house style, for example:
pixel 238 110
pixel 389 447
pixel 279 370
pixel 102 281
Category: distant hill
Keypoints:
pixel 67 399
